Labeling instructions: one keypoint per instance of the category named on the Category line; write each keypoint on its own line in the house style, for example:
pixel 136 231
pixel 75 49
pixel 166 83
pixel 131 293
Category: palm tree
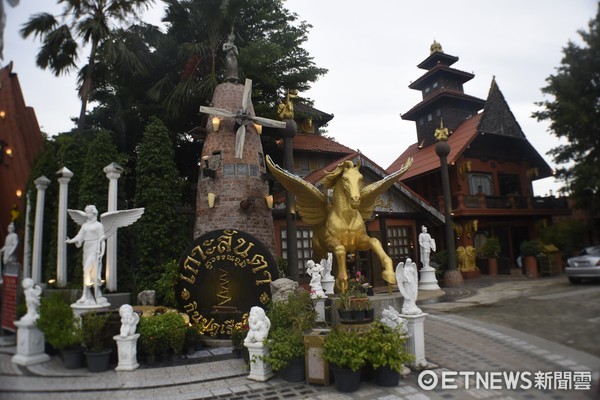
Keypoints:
pixel 92 21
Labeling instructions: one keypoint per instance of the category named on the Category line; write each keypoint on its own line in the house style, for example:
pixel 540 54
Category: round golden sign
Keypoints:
pixel 222 274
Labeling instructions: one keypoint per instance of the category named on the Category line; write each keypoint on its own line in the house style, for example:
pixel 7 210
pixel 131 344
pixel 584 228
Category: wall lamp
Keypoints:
pixel 258 128
pixel 216 122
pixel 211 199
pixel 269 201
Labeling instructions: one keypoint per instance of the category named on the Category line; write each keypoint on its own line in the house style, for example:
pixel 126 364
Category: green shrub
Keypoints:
pixel 490 249
pixel 162 333
pixel 531 248
pixel 165 285
pixel 284 346
pixel 386 347
pixel 58 323
pixel 94 331
pixel 298 312
pixel 346 348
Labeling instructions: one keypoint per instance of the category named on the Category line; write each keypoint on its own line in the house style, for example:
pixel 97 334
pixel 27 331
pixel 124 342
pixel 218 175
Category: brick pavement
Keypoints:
pixel 452 343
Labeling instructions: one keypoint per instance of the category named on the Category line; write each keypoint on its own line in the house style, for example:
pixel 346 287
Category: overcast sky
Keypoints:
pixel 371 50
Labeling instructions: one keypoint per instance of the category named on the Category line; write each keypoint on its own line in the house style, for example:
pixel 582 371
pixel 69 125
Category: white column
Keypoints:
pixel 64 176
pixel 27 241
pixel 41 184
pixel 113 173
pixel 416 339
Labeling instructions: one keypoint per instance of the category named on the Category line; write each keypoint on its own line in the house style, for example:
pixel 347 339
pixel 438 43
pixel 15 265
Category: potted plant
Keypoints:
pixel 148 342
pixel 530 249
pixel 289 319
pixel 346 351
pixel 386 353
pixel 193 338
pixel 238 334
pixel 95 341
pixel 491 250
pixel 286 353
pixel 61 329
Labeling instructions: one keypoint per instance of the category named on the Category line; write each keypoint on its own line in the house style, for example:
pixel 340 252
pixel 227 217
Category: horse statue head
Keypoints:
pixel 347 183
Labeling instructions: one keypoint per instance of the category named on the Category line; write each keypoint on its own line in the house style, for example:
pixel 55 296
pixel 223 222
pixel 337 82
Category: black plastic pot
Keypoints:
pixel 385 376
pixel 73 357
pixel 346 380
pixel 295 370
pixel 98 361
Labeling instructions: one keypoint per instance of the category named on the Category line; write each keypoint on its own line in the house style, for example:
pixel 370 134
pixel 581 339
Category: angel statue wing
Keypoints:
pixel 78 216
pixel 113 220
pixel 370 193
pixel 310 202
pixel 400 279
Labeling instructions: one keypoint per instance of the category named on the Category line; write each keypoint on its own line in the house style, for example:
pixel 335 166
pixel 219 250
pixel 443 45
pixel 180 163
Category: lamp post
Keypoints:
pixel 452 276
pixel 292 244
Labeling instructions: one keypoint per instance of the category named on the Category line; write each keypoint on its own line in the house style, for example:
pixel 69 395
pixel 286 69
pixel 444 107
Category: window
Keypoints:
pixel 400 245
pixel 427 89
pixel 429 117
pixel 438 112
pixel 421 121
pixel 481 183
pixel 304 243
pixel 435 84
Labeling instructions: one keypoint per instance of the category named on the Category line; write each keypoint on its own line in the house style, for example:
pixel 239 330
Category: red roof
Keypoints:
pixel 319 144
pixel 425 159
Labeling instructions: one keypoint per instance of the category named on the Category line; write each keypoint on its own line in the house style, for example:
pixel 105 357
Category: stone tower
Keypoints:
pixel 235 184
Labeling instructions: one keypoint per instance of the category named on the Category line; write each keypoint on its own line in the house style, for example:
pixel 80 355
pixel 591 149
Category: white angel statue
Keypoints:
pixel 93 235
pixel 408 283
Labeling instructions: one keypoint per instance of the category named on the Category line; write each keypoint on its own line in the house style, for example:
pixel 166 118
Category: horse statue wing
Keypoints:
pixel 78 216
pixel 370 193
pixel 113 220
pixel 310 202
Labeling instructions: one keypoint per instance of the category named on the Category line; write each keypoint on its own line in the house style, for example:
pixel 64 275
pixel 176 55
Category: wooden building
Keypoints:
pixel 397 218
pixel 491 163
pixel 20 140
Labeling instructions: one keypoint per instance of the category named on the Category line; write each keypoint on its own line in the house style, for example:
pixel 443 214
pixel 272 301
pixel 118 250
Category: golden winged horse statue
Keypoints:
pixel 339 227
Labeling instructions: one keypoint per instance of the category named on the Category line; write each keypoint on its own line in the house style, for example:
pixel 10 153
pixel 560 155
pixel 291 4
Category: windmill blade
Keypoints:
pixel 240 136
pixel 247 93
pixel 271 123
pixel 217 111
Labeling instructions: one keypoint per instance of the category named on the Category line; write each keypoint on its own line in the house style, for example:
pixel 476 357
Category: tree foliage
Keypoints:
pixel 574 115
pixel 92 22
pixel 160 234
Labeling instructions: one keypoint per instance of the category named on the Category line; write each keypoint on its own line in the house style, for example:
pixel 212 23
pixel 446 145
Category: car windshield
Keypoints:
pixel 591 251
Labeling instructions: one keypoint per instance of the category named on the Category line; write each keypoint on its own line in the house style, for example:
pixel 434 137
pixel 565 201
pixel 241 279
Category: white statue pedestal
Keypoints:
pixel 427 281
pixel 328 285
pixel 416 339
pixel 127 350
pixel 320 309
pixel 259 370
pixel 30 344
pixel 81 308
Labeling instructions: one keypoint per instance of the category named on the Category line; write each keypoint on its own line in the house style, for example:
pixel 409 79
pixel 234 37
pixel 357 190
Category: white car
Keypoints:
pixel 584 266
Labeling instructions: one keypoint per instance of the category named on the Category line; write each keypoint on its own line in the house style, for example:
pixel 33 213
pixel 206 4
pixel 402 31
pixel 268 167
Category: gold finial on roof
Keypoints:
pixel 286 110
pixel 435 47
pixel 441 133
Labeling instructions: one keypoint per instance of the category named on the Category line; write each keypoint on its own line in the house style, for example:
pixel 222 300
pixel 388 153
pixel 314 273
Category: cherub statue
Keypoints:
pixel 314 270
pixel 391 318
pixel 408 283
pixel 259 325
pixel 32 299
pixel 339 227
pixel 93 235
pixel 129 320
